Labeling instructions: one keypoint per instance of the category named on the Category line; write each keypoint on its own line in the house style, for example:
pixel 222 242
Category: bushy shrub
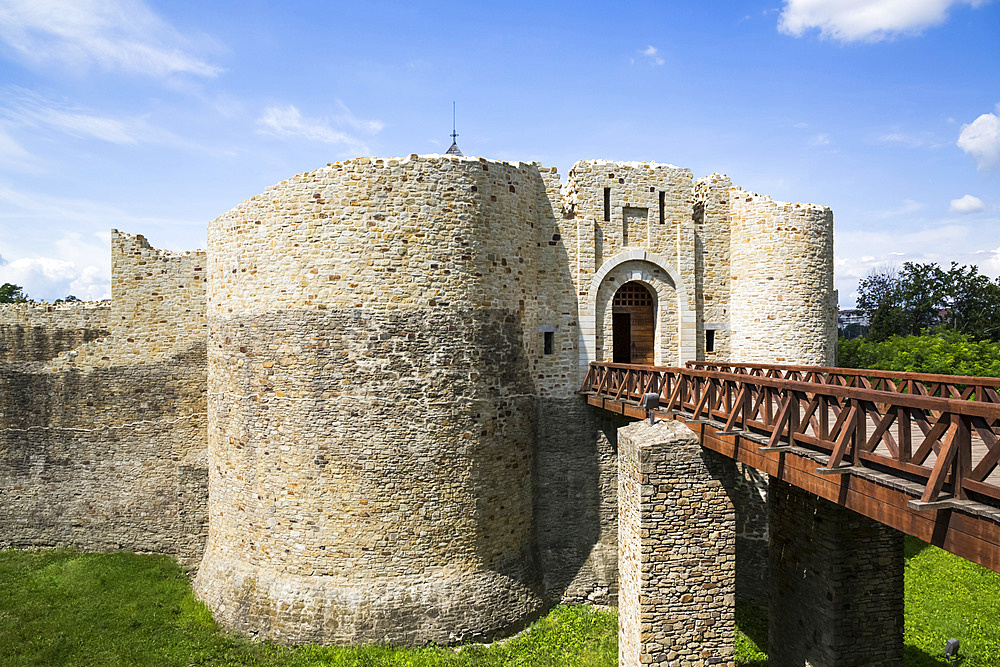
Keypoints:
pixel 948 353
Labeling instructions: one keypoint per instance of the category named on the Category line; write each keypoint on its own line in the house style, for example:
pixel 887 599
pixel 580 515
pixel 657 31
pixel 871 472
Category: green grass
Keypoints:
pixel 947 596
pixel 68 608
pixel 751 634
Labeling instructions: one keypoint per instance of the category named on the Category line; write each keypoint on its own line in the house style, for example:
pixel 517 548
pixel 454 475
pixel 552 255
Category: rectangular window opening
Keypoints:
pixel 662 194
pixel 550 342
pixel 607 204
pixel 710 340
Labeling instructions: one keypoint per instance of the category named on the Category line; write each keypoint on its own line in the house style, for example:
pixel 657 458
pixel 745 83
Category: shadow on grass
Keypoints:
pixel 913 546
pixel 751 621
pixel 916 657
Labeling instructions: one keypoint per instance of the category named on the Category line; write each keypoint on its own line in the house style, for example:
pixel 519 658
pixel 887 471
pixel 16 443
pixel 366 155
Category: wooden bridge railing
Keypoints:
pixel 985 389
pixel 933 433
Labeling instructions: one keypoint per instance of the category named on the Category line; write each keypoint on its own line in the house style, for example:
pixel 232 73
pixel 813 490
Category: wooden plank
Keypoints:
pixel 970 537
pixel 988 490
pixel 941 466
pixel 952 525
pixel 904 452
pixel 780 422
pixel 989 461
pixel 880 430
pixel 843 440
pixel 871 373
pixel 932 437
pixel 740 406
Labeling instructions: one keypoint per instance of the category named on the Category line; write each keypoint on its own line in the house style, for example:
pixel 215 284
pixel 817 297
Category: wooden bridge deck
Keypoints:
pixel 914 451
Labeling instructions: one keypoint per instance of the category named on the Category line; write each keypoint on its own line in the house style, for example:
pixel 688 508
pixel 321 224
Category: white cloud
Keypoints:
pixel 821 139
pixel 13 155
pixel 24 209
pixel 653 54
pixel 121 35
pixel 289 122
pixel 857 251
pixel 33 112
pixel 909 139
pixel 49 278
pixel 981 139
pixel 865 20
pixel 992 263
pixel 907 207
pixel 72 253
pixel 966 204
pixel 27 110
pixel 899 138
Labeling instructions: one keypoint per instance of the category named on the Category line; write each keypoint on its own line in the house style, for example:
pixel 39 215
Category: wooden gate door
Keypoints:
pixel 634 323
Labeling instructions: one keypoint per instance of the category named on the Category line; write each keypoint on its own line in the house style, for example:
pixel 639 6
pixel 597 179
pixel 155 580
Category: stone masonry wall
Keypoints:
pixel 836 584
pixel 576 501
pixel 634 193
pixel 667 335
pixel 157 306
pixel 676 545
pixel 104 458
pixel 371 405
pixel 40 331
pixel 782 281
pixel 376 389
pixel 633 186
pixel 552 303
pixel 712 222
pixel 103 446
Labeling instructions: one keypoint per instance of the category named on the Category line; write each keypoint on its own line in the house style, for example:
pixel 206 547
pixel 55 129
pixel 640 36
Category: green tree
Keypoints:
pixel 970 302
pixel 880 300
pixel 922 297
pixel 11 293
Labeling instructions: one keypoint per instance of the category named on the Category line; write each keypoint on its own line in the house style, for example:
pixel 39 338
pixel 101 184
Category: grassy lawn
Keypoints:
pixel 947 596
pixel 67 608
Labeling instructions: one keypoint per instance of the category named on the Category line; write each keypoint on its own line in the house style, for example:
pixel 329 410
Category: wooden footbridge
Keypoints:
pixel 916 452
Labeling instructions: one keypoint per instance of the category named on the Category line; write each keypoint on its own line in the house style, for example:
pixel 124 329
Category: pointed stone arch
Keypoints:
pixel 673 305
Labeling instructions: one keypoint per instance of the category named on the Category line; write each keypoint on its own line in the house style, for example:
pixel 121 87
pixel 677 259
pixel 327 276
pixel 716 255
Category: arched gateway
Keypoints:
pixel 670 333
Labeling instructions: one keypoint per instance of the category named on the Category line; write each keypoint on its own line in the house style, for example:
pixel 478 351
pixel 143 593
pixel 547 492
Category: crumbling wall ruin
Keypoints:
pixel 102 447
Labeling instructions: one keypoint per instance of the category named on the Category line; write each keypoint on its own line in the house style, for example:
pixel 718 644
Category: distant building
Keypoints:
pixel 851 316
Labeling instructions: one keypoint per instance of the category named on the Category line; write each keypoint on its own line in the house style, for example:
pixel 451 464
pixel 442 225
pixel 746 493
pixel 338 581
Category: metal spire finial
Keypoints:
pixel 453 150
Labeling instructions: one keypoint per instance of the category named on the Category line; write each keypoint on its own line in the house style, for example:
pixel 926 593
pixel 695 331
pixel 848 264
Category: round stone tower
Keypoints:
pixel 370 411
pixel 782 300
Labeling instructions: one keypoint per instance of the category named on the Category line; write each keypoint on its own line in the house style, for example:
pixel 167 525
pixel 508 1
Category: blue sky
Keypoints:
pixel 155 117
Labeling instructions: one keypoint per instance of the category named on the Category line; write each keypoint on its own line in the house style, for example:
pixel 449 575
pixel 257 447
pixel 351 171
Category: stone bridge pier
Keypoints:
pixel 835 581
pixel 676 550
pixel 836 593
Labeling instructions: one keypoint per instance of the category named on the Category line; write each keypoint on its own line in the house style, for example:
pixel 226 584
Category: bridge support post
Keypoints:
pixel 676 550
pixel 836 584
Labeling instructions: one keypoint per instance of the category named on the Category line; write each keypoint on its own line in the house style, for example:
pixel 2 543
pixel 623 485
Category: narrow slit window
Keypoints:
pixel 607 204
pixel 662 194
pixel 710 340
pixel 550 342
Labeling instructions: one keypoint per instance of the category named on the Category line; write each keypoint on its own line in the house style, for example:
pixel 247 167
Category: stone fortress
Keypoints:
pixel 357 412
